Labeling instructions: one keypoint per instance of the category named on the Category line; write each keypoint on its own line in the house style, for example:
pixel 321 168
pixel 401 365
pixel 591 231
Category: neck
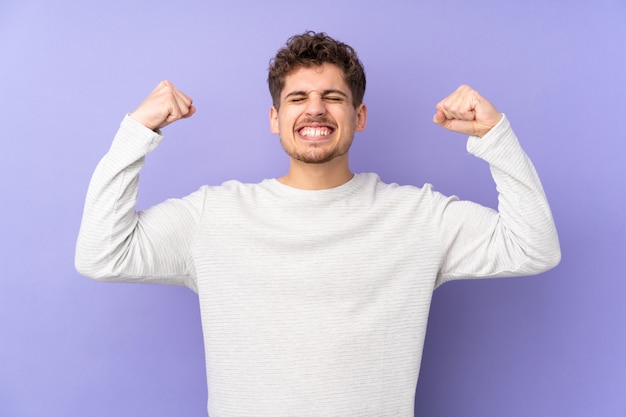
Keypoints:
pixel 307 176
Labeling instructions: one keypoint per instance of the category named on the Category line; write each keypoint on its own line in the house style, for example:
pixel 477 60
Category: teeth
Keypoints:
pixel 315 132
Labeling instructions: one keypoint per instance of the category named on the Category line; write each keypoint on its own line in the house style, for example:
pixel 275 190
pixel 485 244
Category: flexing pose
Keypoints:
pixel 315 287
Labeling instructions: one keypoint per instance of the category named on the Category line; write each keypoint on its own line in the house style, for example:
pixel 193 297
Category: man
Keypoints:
pixel 315 287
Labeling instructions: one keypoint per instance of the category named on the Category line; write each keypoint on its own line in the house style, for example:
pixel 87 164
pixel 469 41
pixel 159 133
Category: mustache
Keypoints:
pixel 322 120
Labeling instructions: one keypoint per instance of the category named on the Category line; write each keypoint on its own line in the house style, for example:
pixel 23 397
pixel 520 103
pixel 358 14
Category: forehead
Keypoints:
pixel 316 78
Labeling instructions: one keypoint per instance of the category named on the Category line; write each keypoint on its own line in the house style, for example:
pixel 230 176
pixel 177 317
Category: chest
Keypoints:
pixel 324 252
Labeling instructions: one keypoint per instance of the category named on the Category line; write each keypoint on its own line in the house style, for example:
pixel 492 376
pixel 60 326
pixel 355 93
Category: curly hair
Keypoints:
pixel 313 49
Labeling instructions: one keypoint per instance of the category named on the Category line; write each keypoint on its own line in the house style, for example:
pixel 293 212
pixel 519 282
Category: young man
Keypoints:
pixel 315 287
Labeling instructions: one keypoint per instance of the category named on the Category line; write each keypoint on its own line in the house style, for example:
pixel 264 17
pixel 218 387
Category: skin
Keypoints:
pixel 317 101
pixel 316 121
pixel 165 104
pixel 467 112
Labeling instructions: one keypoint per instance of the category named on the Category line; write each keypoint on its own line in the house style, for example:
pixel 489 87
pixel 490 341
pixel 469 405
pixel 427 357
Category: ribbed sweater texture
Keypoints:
pixel 314 303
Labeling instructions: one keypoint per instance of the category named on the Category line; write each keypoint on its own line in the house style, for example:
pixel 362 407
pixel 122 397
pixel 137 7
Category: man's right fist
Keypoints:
pixel 164 105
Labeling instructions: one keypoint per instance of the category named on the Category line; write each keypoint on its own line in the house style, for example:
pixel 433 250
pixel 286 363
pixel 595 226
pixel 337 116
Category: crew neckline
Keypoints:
pixel 350 186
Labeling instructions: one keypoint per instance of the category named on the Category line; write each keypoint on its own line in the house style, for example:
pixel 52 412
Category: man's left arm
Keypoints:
pixel 519 238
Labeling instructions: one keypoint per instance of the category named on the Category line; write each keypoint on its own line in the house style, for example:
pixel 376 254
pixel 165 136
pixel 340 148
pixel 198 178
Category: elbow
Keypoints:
pixel 553 259
pixel 548 258
pixel 92 259
pixel 87 266
pixel 544 250
pixel 81 263
pixel 554 252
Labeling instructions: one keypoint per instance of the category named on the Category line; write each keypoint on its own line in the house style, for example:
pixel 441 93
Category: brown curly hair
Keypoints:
pixel 312 49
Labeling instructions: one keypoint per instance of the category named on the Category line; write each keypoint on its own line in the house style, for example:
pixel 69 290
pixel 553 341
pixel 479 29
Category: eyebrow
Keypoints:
pixel 324 93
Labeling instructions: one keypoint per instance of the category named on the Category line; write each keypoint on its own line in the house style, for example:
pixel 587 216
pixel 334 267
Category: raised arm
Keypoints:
pixel 519 238
pixel 117 243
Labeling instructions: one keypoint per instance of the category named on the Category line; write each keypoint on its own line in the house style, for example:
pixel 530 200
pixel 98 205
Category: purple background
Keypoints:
pixel 552 345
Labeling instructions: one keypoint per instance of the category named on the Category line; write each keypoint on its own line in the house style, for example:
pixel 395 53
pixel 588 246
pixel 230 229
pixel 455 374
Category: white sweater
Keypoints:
pixel 314 303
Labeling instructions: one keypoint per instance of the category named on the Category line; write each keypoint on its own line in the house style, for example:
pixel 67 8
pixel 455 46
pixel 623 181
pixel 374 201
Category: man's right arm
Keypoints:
pixel 116 242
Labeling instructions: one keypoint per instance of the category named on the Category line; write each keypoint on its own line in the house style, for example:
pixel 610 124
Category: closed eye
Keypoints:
pixel 335 96
pixel 331 96
pixel 296 97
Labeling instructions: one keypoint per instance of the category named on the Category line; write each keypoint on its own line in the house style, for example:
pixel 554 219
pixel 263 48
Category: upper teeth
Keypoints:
pixel 315 131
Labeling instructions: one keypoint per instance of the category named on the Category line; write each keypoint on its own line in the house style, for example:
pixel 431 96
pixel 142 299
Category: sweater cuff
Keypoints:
pixel 134 135
pixel 501 136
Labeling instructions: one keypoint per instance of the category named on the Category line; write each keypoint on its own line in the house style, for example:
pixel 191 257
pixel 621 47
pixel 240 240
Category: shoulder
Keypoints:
pixel 392 189
pixel 397 195
pixel 235 192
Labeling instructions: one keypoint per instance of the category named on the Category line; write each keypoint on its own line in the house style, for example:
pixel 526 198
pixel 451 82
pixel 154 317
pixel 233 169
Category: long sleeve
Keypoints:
pixel 519 238
pixel 117 243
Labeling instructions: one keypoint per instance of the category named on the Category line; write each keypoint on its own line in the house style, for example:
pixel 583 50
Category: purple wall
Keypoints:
pixel 552 345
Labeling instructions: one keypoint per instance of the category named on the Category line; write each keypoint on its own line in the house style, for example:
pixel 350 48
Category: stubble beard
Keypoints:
pixel 315 154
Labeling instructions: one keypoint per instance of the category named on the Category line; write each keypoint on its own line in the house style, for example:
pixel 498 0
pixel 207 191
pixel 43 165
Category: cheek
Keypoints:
pixel 286 121
pixel 284 128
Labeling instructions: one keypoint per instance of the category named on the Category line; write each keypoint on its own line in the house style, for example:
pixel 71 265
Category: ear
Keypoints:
pixel 361 118
pixel 274 120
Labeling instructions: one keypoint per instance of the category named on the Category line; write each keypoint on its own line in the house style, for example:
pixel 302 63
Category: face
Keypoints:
pixel 316 120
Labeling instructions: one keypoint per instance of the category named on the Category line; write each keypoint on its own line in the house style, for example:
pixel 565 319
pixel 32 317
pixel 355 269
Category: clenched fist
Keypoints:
pixel 164 105
pixel 465 111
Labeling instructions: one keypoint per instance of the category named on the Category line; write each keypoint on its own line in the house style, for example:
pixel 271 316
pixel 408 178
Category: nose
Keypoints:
pixel 315 106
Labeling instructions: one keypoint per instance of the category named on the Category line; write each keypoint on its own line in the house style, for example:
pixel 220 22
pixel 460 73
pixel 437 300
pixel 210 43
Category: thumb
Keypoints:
pixel 439 118
pixel 454 125
pixel 192 111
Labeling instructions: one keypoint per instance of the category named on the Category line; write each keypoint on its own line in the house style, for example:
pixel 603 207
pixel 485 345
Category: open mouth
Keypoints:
pixel 314 132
